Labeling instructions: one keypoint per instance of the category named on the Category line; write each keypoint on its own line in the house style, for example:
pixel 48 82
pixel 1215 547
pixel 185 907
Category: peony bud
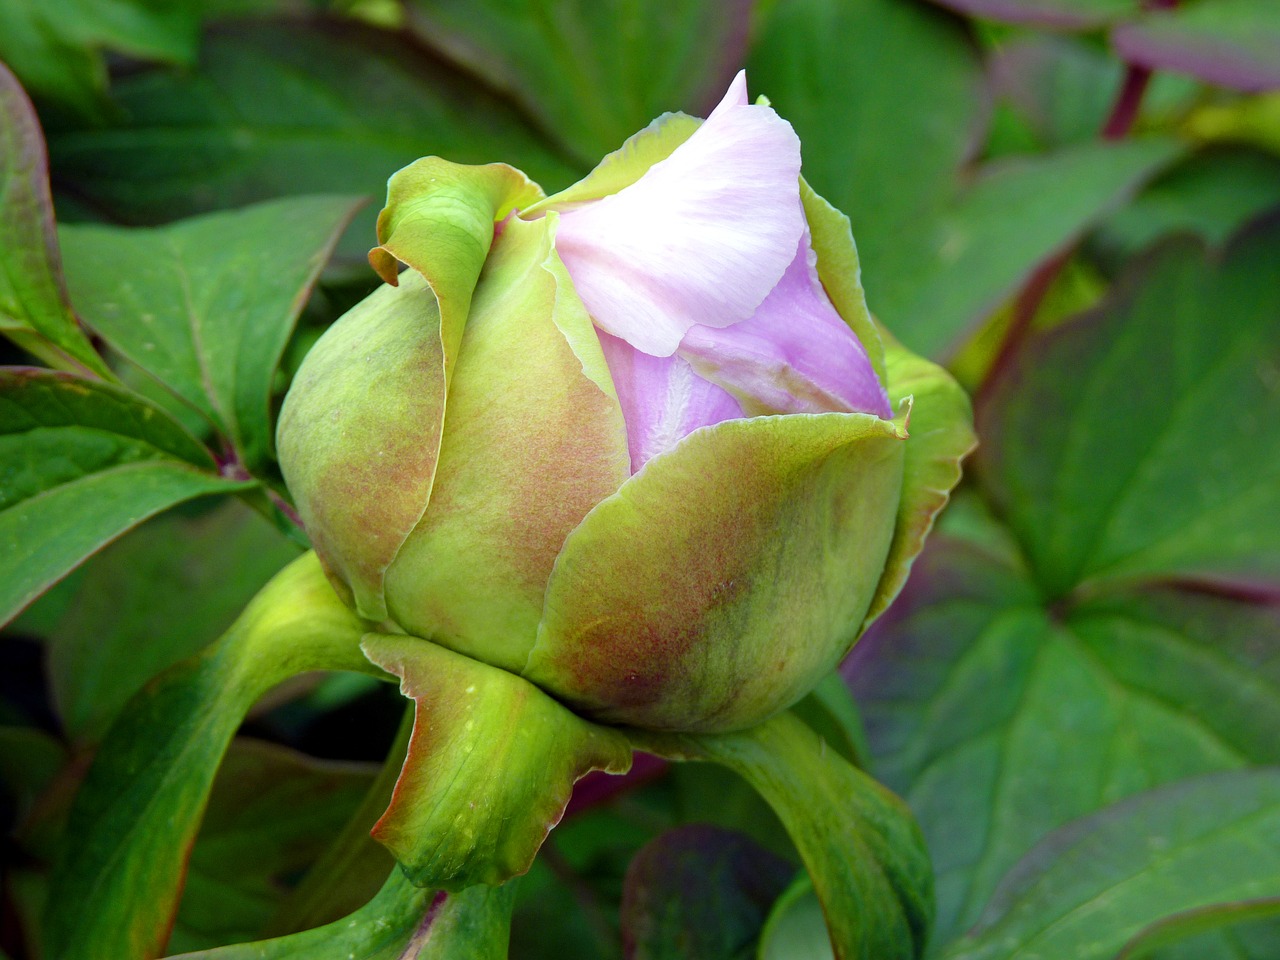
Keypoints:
pixel 632 442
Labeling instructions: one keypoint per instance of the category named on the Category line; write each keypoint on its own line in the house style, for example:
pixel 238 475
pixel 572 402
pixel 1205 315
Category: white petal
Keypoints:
pixel 701 238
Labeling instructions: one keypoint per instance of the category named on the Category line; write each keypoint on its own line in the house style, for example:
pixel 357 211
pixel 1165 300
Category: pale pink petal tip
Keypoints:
pixel 700 238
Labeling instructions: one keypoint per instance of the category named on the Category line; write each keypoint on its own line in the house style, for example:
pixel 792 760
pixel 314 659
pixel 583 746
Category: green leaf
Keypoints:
pixel 858 841
pixel 1180 478
pixel 945 275
pixel 1212 194
pixel 34 311
pixel 796 929
pixel 1095 883
pixel 56 46
pixel 115 890
pixel 1058 14
pixel 402 922
pixel 1195 933
pixel 207 305
pixel 202 139
pixel 155 597
pixel 1232 43
pixel 999 721
pixel 491 764
pixel 29 761
pixel 593 71
pixel 271 813
pixel 80 463
pixel 701 893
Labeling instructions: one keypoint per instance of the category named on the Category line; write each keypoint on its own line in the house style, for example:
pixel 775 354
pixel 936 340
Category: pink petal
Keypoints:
pixel 662 399
pixel 794 355
pixel 700 238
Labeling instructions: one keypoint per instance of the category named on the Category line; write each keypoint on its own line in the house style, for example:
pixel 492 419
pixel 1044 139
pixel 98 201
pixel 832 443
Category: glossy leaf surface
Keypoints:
pixel 34 311
pixel 80 463
pixel 140 806
pixel 1089 887
pixel 207 305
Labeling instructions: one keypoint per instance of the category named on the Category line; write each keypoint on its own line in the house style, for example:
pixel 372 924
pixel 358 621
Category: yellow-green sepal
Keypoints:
pixel 723 580
pixel 491 765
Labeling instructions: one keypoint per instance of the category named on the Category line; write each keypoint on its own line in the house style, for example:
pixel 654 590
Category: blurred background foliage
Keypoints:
pixel 1075 204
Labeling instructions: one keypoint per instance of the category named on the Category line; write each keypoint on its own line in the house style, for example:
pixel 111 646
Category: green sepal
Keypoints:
pixel 940 435
pixel 535 438
pixel 491 765
pixel 859 842
pixel 727 576
pixel 403 922
pixel 361 466
pixel 625 165
pixel 115 890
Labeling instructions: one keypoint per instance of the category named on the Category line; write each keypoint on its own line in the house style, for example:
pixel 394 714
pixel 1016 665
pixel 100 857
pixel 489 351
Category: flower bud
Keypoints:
pixel 633 442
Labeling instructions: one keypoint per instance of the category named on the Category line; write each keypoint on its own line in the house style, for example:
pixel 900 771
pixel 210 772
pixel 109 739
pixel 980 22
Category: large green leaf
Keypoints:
pixel 56 46
pixel 402 922
pixel 1243 930
pixel 116 887
pixel 80 463
pixel 271 813
pixel 593 72
pixel 157 596
pixel 1095 883
pixel 858 841
pixel 699 893
pixel 207 305
pixel 34 311
pixel 1227 42
pixel 941 277
pixel 202 139
pixel 1181 477
pixel 999 720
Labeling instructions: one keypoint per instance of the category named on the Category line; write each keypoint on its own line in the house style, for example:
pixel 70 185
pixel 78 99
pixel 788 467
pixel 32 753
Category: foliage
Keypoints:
pixel 1073 205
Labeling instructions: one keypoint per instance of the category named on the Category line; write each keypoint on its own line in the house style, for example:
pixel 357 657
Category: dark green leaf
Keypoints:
pixel 1060 14
pixel 29 760
pixel 1092 885
pixel 1227 42
pixel 999 722
pixel 56 46
pixel 349 106
pixel 701 893
pixel 858 841
pixel 1212 194
pixel 593 71
pixel 940 278
pixel 80 463
pixel 271 813
pixel 155 597
pixel 1101 480
pixel 1207 933
pixel 34 312
pixel 116 888
pixel 796 929
pixel 207 305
